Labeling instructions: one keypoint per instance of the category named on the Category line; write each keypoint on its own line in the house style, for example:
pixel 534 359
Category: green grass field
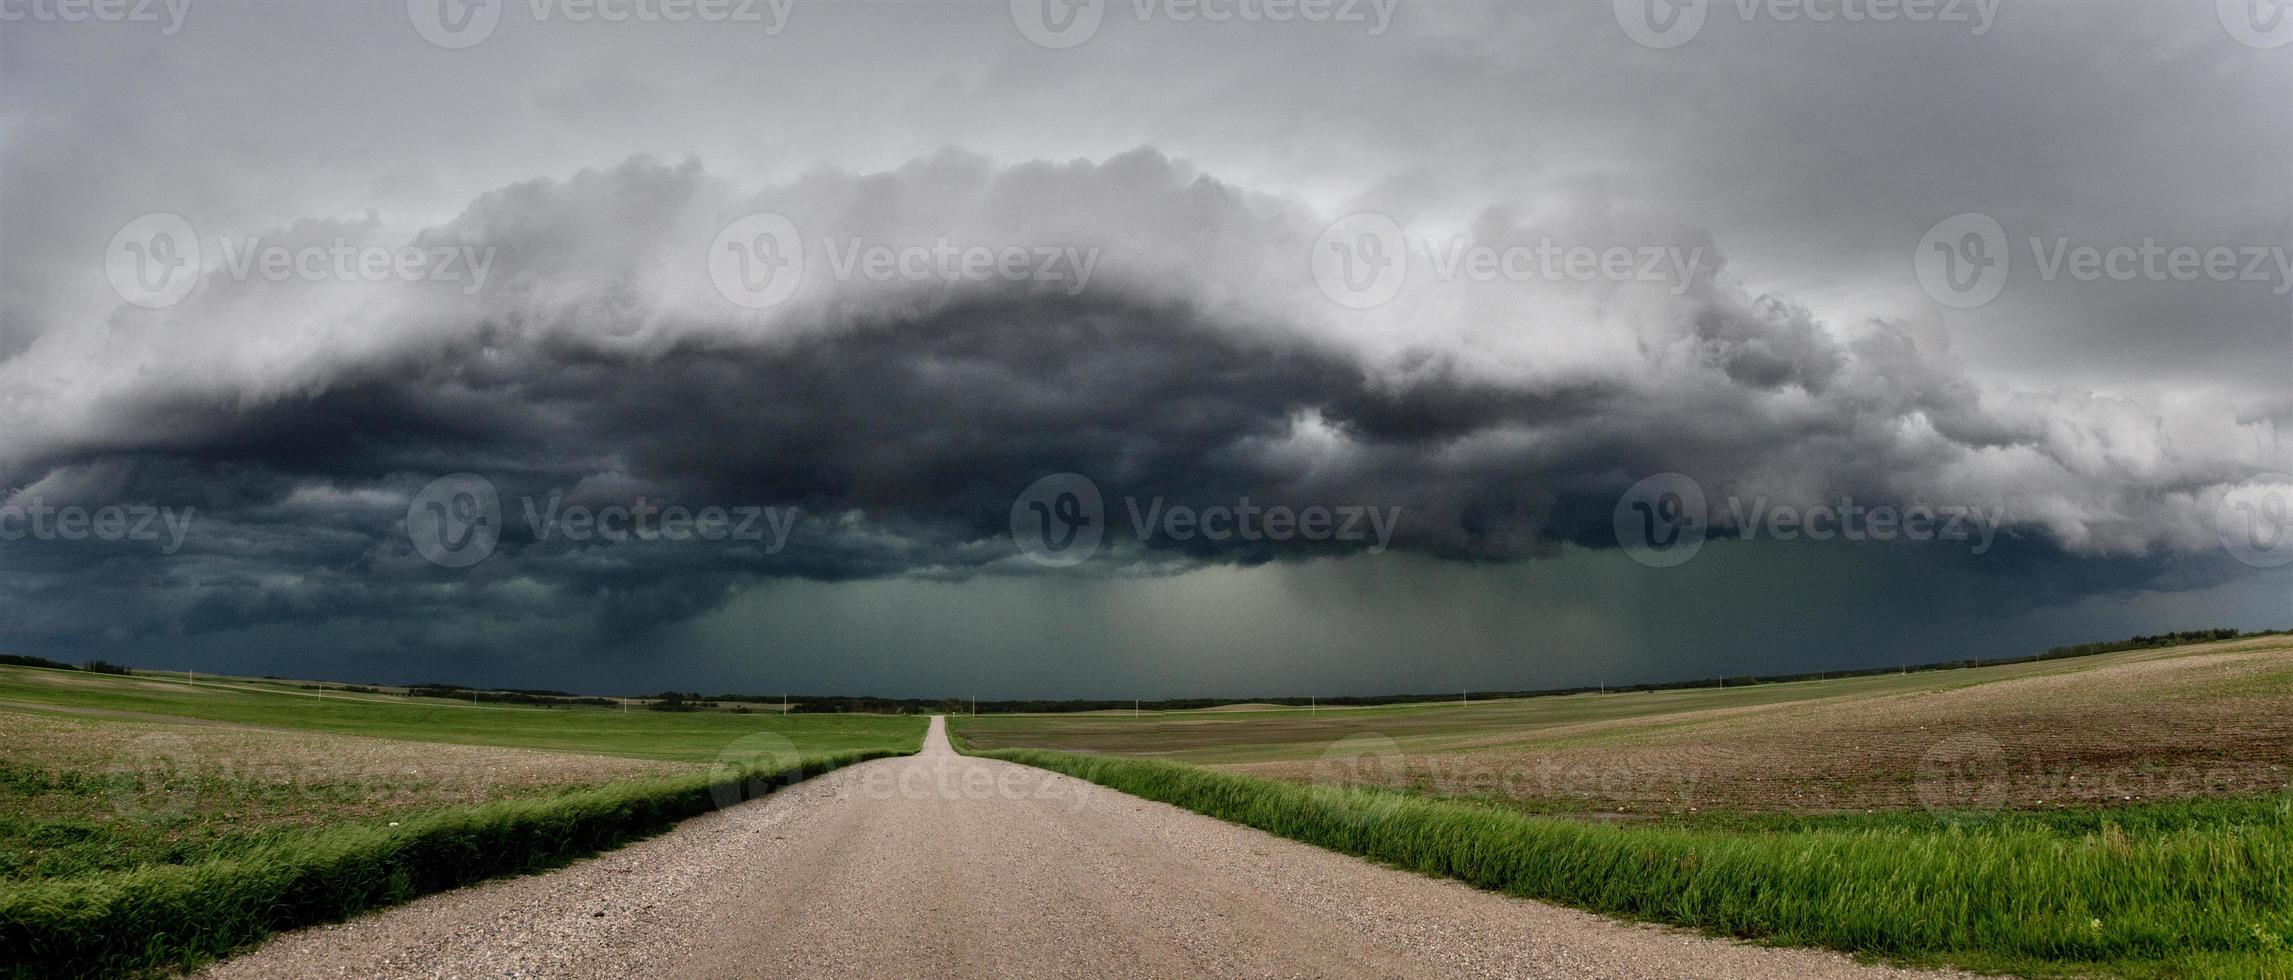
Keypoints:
pixel 147 823
pixel 2195 890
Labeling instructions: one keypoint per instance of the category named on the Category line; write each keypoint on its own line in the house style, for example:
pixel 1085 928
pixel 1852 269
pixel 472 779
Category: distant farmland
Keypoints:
pixel 2204 720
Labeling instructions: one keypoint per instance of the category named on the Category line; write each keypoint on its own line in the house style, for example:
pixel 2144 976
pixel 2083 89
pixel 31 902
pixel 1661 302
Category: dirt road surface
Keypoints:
pixel 939 865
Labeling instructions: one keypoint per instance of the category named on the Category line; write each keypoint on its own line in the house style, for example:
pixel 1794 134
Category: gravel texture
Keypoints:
pixel 941 865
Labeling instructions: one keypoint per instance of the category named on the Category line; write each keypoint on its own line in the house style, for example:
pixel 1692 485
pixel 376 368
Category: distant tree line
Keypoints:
pixel 345 688
pixel 92 666
pixel 538 698
pixel 678 701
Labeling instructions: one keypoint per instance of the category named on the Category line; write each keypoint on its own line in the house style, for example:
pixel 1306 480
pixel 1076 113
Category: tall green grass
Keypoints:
pixel 165 917
pixel 2198 898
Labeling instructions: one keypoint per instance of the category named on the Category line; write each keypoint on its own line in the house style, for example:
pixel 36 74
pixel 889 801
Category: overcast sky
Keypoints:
pixel 1443 345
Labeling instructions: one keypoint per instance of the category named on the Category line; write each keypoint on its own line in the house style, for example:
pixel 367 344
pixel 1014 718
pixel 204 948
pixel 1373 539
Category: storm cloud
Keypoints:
pixel 1144 316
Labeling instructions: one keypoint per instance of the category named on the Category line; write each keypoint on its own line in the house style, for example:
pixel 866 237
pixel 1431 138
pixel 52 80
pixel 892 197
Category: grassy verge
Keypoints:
pixel 152 919
pixel 2200 897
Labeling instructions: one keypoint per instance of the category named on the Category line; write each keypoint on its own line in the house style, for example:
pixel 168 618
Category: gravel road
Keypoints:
pixel 938 865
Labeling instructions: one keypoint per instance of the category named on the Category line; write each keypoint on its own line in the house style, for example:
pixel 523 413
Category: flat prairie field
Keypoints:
pixel 103 773
pixel 688 736
pixel 2121 729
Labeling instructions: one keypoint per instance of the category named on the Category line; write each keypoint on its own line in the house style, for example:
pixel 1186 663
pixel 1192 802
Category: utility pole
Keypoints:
pixel 1134 707
pixel 1313 704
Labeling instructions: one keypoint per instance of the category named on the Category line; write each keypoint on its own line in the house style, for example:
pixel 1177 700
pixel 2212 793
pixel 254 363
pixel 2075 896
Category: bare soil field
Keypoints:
pixel 2136 727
